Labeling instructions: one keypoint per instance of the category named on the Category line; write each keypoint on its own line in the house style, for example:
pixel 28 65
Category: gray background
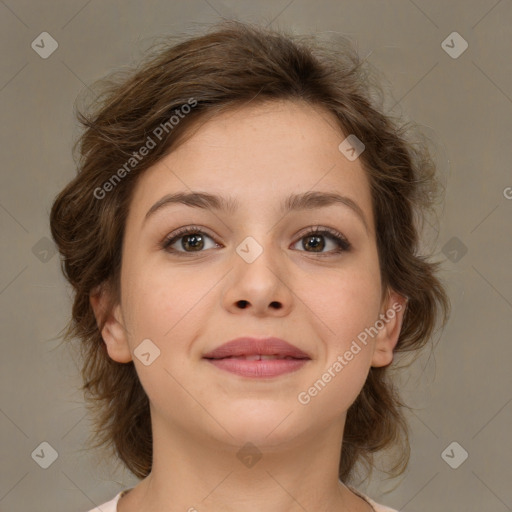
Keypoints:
pixel 461 391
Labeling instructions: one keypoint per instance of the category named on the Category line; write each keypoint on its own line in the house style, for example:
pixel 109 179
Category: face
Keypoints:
pixel 256 270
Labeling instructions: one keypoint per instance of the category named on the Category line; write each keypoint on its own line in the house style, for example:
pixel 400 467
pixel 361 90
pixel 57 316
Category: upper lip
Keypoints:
pixel 248 346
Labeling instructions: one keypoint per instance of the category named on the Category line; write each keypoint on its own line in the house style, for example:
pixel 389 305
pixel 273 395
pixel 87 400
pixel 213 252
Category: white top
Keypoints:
pixel 111 506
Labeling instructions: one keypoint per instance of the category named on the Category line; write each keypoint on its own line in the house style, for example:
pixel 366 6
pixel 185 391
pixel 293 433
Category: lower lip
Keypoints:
pixel 259 368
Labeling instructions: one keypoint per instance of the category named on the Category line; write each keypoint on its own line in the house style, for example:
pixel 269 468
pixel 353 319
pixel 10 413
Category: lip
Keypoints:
pixel 247 346
pixel 231 357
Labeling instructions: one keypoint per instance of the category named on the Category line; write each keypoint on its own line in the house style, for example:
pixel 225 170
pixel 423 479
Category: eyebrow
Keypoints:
pixel 294 202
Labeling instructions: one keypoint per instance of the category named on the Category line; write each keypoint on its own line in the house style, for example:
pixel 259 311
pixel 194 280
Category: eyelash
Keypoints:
pixel 343 244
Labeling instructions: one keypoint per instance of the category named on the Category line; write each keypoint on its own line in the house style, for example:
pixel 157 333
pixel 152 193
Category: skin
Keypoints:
pixel 202 416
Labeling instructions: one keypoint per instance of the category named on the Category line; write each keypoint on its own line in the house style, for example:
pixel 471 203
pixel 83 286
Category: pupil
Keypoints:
pixel 318 245
pixel 193 241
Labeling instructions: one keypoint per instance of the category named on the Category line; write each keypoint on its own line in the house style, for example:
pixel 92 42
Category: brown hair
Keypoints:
pixel 230 65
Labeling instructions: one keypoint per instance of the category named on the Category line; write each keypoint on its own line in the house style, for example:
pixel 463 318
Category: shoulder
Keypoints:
pixel 376 506
pixel 109 506
pixel 380 508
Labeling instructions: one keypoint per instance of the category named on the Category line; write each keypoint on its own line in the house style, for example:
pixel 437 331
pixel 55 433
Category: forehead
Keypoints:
pixel 259 154
pixel 272 131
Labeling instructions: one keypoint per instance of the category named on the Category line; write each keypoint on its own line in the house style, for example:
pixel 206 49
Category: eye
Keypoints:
pixel 192 240
pixel 315 240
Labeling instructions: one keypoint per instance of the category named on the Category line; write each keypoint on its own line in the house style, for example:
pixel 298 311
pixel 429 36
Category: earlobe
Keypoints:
pixel 113 331
pixel 391 318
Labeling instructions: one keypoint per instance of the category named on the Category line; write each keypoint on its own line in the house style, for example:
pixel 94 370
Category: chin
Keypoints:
pixel 263 426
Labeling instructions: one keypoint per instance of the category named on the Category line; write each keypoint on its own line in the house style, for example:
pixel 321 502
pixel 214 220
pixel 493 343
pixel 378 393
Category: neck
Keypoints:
pixel 194 473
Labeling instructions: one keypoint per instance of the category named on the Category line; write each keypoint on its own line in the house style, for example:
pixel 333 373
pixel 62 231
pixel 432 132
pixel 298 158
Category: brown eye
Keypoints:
pixel 193 242
pixel 187 240
pixel 315 241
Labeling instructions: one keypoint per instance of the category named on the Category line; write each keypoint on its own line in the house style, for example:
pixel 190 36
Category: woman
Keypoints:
pixel 242 240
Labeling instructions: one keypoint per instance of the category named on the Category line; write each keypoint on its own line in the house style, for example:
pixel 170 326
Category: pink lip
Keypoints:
pixel 230 357
pixel 253 346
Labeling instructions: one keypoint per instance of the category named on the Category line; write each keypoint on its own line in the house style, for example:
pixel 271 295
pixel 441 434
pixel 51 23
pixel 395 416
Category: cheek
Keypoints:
pixel 162 305
pixel 346 301
pixel 334 391
pixel 353 307
pixel 162 308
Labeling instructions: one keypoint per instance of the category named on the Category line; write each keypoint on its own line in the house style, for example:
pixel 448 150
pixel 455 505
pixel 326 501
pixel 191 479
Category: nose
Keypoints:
pixel 259 287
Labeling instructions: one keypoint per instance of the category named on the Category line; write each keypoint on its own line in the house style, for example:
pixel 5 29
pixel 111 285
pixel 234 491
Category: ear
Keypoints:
pixel 391 316
pixel 113 331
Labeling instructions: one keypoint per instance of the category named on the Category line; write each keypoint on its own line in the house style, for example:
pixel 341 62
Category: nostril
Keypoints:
pixel 244 303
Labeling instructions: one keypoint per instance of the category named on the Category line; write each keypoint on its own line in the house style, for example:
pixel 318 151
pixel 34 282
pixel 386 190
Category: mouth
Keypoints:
pixel 257 357
pixel 260 347
pixel 258 366
pixel 262 358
